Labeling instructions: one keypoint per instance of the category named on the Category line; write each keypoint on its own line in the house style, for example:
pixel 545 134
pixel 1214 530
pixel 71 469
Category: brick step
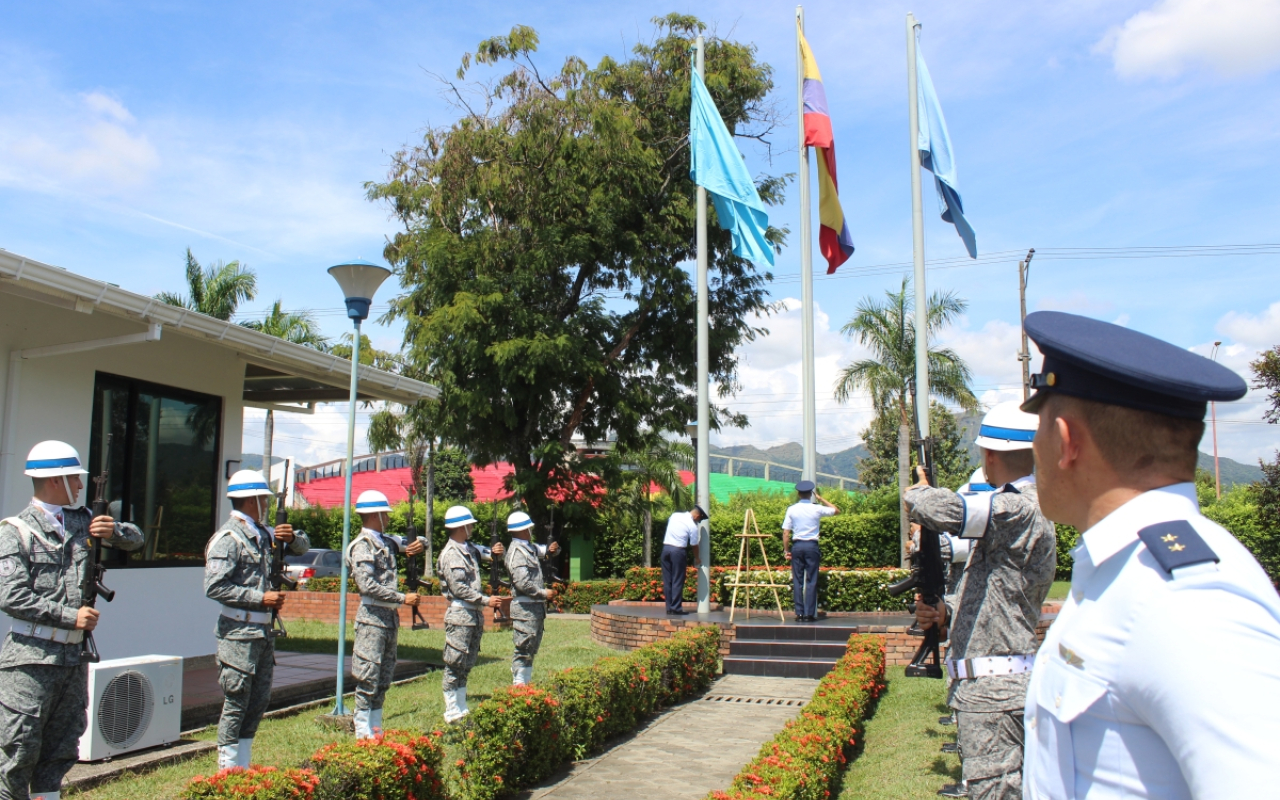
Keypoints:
pixel 778 667
pixel 800 632
pixel 783 648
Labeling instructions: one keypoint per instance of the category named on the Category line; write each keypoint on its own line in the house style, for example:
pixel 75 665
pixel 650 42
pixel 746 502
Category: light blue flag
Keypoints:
pixel 716 165
pixel 935 153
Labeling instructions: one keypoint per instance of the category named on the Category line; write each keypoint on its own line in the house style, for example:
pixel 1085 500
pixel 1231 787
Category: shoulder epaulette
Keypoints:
pixel 1176 544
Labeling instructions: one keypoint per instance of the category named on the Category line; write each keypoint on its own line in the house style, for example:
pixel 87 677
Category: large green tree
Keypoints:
pixel 545 248
pixel 217 290
pixel 951 463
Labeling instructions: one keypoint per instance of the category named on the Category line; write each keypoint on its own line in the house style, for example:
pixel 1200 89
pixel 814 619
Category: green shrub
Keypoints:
pixel 507 742
pixel 330 585
pixel 395 765
pixel 579 596
pixel 804 760
pixel 254 783
pixel 839 589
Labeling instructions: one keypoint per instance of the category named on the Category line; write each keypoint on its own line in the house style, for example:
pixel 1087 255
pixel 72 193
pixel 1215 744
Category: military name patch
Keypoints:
pixel 8 566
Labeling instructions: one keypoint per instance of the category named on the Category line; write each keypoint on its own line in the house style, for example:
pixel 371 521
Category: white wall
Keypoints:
pixel 159 610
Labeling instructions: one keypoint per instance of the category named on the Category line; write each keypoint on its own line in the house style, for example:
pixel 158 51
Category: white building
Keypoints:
pixel 87 358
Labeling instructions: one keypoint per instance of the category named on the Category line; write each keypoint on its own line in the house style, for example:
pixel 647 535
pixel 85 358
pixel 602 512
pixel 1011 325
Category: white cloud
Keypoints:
pixel 1232 37
pixel 108 106
pixel 1261 331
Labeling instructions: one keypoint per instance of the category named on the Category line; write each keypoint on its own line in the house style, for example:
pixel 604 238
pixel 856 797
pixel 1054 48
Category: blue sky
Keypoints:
pixel 129 131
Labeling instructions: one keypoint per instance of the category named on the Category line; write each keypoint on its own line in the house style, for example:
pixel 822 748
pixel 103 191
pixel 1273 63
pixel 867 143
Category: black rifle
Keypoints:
pixel 495 575
pixel 279 578
pixel 91 585
pixel 550 572
pixel 413 569
pixel 928 577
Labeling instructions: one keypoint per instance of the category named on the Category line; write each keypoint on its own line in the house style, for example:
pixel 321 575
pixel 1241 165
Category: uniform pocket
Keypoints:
pixel 1060 694
pixel 46 569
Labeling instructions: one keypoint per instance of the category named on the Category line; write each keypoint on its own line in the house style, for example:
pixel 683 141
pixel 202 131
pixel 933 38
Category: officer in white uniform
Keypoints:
pixel 681 537
pixel 1161 676
pixel 800 547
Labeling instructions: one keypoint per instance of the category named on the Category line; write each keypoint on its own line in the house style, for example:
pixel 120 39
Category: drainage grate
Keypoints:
pixel 761 701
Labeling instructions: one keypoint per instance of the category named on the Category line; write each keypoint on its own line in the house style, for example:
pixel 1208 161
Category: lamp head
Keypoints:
pixel 359 280
pixel 691 429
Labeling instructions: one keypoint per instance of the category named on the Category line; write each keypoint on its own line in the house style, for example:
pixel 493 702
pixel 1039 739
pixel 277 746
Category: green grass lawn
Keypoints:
pixel 899 758
pixel 1060 590
pixel 414 706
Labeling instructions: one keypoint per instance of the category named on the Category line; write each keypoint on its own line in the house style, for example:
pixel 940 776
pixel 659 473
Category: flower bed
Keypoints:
pixel 578 597
pixel 396 765
pixel 523 733
pixel 804 759
pixel 839 589
pixel 254 783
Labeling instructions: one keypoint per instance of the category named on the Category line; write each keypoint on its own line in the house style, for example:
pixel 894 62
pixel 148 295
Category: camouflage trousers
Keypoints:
pixel 991 753
pixel 461 649
pixel 373 664
pixel 42 716
pixel 527 621
pixel 245 670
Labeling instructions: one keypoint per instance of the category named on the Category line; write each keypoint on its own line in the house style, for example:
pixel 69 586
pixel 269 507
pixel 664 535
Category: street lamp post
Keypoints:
pixel 359 281
pixel 1213 410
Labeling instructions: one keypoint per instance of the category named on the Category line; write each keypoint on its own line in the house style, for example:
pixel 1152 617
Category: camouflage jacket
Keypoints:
pixel 237 572
pixel 40 575
pixel 371 561
pixel 523 565
pixel 997 605
pixel 459 571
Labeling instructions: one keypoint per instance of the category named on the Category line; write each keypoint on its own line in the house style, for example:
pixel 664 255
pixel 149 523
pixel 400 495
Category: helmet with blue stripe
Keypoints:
pixel 248 483
pixel 457 516
pixel 1007 427
pixel 372 502
pixel 519 521
pixel 52 458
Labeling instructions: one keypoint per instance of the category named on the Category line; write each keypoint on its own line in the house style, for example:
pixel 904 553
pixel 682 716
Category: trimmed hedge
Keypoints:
pixel 839 589
pixel 804 760
pixel 522 734
pixel 254 783
pixel 578 597
pixel 330 585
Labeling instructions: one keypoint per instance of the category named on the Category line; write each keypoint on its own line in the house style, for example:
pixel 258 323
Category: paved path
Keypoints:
pixel 692 749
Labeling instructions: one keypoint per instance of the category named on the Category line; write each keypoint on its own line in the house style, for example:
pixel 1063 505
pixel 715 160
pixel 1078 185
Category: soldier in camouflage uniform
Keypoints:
pixel 371 560
pixel 43 681
pixel 995 610
pixel 528 596
pixel 236 574
pixel 459 571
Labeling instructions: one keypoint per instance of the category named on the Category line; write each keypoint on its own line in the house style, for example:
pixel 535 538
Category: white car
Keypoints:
pixel 317 562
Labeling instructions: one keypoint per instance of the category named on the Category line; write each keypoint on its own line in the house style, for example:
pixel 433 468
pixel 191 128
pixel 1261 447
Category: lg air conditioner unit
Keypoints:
pixel 134 703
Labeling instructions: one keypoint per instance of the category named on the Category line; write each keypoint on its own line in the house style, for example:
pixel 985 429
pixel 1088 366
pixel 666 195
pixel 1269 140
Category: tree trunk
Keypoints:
pixel 429 561
pixel 268 433
pixel 648 534
pixel 904 467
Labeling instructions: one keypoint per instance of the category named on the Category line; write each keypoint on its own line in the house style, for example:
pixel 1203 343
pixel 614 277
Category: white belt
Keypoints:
pixel 369 601
pixel 465 605
pixel 51 634
pixel 965 668
pixel 243 615
pixel 526 601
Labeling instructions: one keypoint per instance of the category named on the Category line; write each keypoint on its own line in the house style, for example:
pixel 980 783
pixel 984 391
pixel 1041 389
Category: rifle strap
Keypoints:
pixel 26 534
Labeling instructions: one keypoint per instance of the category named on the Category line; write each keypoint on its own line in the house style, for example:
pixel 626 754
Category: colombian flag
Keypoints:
pixel 833 234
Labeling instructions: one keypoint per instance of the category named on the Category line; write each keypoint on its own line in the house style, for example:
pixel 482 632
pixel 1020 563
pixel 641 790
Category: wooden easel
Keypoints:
pixel 744 565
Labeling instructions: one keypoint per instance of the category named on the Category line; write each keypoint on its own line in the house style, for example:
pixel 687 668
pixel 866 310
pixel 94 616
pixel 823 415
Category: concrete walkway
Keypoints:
pixel 690 750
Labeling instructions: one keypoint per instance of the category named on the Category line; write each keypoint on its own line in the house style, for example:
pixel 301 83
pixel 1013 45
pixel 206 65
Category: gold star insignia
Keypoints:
pixel 1177 547
pixel 1169 537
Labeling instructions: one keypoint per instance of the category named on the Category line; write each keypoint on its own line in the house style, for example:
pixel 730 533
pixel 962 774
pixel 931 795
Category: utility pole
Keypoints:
pixel 1024 269
pixel 1213 410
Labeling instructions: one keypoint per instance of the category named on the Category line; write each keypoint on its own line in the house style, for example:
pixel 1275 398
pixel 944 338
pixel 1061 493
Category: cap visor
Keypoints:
pixel 1032 406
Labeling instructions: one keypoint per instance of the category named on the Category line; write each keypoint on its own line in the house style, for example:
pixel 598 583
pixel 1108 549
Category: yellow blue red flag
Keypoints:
pixel 834 238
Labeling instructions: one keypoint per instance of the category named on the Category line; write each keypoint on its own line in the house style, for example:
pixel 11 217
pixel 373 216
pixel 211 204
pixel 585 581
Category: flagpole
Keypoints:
pixel 703 474
pixel 917 236
pixel 809 466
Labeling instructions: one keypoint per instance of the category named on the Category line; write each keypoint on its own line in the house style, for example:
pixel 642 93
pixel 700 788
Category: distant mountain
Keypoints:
pixel 845 462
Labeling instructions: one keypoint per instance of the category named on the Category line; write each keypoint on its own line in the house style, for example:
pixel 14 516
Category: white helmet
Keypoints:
pixel 1007 427
pixel 519 521
pixel 372 502
pixel 248 483
pixel 977 483
pixel 53 458
pixel 457 516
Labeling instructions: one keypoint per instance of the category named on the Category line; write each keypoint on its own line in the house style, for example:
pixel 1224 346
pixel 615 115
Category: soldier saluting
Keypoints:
pixel 236 573
pixel 459 570
pixel 528 596
pixel 43 681
pixel 371 561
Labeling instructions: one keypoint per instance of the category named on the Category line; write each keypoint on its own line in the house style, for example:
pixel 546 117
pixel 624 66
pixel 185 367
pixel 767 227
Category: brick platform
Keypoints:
pixel 323 607
pixel 627 625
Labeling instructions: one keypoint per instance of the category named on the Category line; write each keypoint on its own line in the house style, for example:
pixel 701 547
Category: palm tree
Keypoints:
pixel 216 291
pixel 657 465
pixel 297 327
pixel 888 329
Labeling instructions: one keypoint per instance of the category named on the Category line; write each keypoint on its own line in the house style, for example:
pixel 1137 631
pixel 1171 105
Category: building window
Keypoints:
pixel 164 465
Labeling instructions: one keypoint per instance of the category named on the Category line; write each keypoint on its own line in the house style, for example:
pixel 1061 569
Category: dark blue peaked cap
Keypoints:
pixel 1095 360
